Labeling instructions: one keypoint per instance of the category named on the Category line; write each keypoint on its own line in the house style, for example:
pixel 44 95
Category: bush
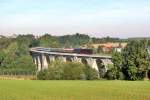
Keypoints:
pixel 67 71
pixel 43 75
pixel 49 74
pixel 56 70
pixel 59 70
pixel 90 73
pixel 110 75
pixel 121 76
pixel 73 71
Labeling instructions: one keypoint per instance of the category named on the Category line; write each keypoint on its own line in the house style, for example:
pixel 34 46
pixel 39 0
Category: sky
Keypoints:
pixel 98 18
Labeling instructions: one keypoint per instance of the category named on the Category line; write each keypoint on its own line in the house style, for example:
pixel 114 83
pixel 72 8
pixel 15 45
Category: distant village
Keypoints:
pixel 110 46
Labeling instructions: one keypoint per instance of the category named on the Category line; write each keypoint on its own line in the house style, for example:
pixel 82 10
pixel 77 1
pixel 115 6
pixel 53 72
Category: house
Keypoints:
pixel 113 46
pixel 109 47
pixel 118 49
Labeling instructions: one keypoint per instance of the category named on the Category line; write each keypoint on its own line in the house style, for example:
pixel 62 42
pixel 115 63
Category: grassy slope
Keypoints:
pixel 74 90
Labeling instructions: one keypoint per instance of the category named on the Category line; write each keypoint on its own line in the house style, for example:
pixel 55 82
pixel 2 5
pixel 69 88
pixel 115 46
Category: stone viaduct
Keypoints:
pixel 42 57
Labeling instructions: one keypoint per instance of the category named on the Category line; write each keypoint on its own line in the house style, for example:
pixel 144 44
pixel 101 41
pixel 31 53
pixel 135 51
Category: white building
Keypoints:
pixel 118 49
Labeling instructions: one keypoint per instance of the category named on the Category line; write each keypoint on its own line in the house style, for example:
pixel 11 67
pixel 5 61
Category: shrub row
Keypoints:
pixel 67 71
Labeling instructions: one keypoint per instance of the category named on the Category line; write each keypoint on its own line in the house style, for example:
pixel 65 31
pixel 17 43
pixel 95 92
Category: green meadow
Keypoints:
pixel 74 90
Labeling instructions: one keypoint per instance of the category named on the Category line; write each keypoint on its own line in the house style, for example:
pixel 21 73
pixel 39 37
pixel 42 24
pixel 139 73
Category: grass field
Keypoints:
pixel 74 90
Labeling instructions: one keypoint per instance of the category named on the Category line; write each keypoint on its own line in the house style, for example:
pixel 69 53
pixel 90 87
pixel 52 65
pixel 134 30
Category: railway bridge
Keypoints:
pixel 42 57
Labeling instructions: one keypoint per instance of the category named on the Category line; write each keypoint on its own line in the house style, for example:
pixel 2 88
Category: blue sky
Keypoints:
pixel 117 18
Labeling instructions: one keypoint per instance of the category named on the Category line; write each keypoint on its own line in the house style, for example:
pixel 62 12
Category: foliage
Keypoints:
pixel 68 71
pixel 75 40
pixel 117 63
pixel 15 57
pixel 25 62
pixel 23 43
pixel 90 73
pixel 136 60
pixel 43 75
pixel 117 60
pixel 133 62
pixel 5 42
pixel 105 40
pixel 56 70
pixel 48 41
pixel 73 71
pixel 121 76
pixel 111 73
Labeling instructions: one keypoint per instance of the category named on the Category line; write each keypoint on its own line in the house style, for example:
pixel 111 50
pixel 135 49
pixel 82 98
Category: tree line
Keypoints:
pixel 131 64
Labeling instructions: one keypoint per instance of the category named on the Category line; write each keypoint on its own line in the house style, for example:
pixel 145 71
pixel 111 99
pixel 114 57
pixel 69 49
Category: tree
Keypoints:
pixel 5 42
pixel 111 73
pixel 24 42
pixel 24 63
pixel 48 41
pixel 117 63
pixel 75 40
pixel 13 59
pixel 136 60
pixel 2 56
